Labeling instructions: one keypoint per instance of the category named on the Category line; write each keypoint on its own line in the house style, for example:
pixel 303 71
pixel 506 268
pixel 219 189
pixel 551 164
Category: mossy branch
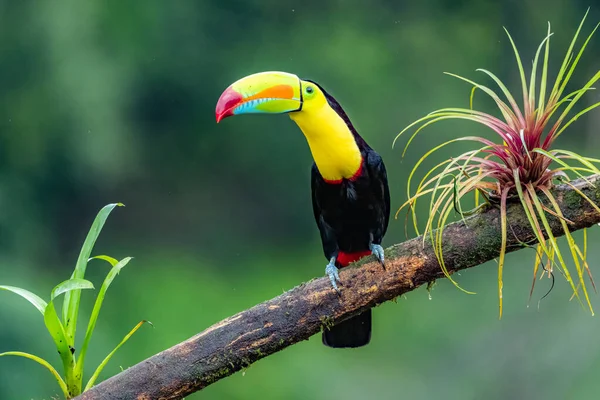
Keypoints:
pixel 266 328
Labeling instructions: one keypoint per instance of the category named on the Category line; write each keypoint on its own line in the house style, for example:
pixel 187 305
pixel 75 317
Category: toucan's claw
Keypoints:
pixel 332 271
pixel 377 251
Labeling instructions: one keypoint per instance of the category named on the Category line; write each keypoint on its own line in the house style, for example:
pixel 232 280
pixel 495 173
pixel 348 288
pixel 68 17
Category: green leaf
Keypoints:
pixel 530 213
pixel 544 78
pixel 71 303
pixel 533 74
pixel 508 114
pixel 555 93
pixel 57 331
pixel 27 295
pixel 109 356
pixel 566 166
pixel 96 311
pixel 553 132
pixel 108 259
pixel 551 238
pixel 521 73
pixel 506 92
pixel 572 246
pixel 536 266
pixel 503 199
pixel 579 114
pixel 576 61
pixel 69 285
pixel 437 242
pixel 43 362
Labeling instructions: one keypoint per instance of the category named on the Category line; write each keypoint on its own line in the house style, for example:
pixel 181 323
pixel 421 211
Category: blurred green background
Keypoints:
pixel 114 101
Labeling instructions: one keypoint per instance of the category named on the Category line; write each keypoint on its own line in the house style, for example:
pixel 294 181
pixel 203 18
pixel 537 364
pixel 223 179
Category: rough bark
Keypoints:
pixel 266 328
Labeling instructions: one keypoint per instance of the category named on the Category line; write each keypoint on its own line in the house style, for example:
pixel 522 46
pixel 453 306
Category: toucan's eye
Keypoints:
pixel 309 90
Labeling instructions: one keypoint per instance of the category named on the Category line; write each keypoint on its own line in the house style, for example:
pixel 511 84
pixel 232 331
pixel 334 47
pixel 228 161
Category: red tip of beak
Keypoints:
pixel 228 101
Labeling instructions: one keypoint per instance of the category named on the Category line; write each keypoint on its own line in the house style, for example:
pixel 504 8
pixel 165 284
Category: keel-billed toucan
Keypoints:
pixel 350 195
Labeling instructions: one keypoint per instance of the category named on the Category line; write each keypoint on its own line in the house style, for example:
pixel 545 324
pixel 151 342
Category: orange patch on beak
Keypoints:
pixel 275 92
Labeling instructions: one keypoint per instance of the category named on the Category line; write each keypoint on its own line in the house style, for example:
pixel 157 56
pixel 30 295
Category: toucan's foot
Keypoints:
pixel 334 276
pixel 377 251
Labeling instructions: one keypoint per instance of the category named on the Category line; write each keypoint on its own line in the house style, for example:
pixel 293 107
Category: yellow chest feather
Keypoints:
pixel 331 143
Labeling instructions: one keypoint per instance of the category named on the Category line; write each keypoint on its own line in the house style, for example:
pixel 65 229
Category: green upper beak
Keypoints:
pixel 262 93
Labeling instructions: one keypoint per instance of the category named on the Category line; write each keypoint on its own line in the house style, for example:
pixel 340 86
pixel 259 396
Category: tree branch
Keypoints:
pixel 266 328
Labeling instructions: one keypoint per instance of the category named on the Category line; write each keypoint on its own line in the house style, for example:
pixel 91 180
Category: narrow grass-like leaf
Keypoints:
pixel 94 377
pixel 70 285
pixel 418 193
pixel 521 74
pixel 549 112
pixel 570 168
pixel 584 259
pixel 554 95
pixel 509 97
pixel 530 213
pixel 576 117
pixel 452 116
pixel 504 109
pixel 576 61
pixel 553 132
pixel 473 89
pixel 71 302
pixel 544 78
pixel 536 265
pixel 572 246
pixel 559 161
pixel 551 237
pixel 44 363
pixel 435 204
pixel 533 73
pixel 437 241
pixel 57 332
pixel 112 261
pixel 503 199
pixel 96 311
pixel 583 160
pixel 427 154
pixel 487 119
pixel 27 295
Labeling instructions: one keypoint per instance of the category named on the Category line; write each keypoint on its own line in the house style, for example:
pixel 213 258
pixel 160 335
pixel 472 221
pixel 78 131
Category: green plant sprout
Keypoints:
pixel 63 331
pixel 522 168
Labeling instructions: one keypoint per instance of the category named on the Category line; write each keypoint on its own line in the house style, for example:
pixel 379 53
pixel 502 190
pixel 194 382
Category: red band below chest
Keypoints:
pixel 354 177
pixel 344 259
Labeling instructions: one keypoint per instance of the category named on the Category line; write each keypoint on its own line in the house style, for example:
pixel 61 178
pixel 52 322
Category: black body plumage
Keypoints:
pixel 351 216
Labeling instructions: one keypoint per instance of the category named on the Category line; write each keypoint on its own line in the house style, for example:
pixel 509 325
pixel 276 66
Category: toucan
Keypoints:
pixel 350 193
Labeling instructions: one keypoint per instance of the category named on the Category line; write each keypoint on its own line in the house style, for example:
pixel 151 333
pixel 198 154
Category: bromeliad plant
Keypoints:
pixel 523 167
pixel 63 331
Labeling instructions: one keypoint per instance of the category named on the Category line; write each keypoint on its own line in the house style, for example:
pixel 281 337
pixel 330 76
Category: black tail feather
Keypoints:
pixel 353 332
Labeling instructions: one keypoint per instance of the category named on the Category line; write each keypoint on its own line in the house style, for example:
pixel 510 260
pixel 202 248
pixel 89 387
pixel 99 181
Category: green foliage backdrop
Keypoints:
pixel 114 101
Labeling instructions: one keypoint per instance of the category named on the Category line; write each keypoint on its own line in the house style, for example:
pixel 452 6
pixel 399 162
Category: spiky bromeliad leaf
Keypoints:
pixel 519 167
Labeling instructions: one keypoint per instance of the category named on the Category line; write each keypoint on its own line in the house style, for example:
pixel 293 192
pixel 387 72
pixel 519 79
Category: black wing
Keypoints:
pixel 381 192
pixel 327 234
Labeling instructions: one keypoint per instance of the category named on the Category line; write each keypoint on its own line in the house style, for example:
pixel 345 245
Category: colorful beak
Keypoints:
pixel 262 93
